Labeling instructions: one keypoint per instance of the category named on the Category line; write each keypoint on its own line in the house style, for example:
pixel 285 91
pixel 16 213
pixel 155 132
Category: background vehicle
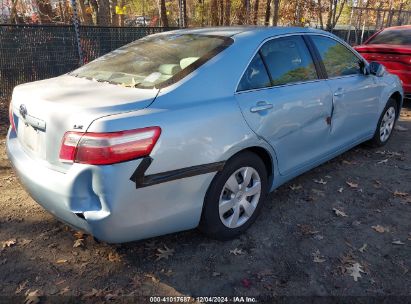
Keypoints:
pixel 193 127
pixel 392 48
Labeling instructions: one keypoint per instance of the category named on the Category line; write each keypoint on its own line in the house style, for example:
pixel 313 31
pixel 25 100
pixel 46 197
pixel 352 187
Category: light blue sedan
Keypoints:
pixel 192 128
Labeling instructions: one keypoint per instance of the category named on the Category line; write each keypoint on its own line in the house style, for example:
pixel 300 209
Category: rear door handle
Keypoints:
pixel 261 107
pixel 339 92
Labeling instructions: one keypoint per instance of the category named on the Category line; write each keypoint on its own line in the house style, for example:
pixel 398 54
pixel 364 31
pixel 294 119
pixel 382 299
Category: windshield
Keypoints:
pixel 155 61
pixel 401 37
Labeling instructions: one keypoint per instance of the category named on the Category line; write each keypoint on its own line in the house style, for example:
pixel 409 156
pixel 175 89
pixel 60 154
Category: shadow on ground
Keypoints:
pixel 300 245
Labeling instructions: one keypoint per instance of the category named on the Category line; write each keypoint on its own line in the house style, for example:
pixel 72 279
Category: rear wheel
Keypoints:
pixel 386 124
pixel 235 197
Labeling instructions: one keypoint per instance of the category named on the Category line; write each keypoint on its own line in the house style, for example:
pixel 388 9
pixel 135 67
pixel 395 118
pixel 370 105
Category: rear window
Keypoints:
pixel 154 62
pixel 401 37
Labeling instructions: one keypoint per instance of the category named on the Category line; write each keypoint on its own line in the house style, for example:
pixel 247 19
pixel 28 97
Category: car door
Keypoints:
pixel 355 95
pixel 285 102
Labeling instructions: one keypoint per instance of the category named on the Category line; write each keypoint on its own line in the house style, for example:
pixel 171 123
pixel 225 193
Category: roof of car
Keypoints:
pixel 230 31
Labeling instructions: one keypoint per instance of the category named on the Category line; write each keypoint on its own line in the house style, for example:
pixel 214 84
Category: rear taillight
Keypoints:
pixel 108 148
pixel 11 117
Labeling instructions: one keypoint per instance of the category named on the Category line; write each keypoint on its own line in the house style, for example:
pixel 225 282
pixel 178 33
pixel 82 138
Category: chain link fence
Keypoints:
pixel 34 52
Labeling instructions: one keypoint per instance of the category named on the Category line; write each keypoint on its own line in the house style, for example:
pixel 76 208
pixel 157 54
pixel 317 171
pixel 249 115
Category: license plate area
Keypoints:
pixel 33 139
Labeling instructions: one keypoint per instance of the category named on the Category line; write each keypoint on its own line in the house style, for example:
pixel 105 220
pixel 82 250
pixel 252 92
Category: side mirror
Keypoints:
pixel 376 69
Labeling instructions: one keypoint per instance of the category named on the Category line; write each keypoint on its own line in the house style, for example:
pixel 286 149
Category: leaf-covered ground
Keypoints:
pixel 343 228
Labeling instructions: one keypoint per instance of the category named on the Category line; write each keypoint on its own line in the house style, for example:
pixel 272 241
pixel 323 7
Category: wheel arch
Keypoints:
pixel 265 156
pixel 398 99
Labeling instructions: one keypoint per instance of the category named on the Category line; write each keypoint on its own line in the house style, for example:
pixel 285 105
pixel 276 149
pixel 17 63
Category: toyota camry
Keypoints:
pixel 192 128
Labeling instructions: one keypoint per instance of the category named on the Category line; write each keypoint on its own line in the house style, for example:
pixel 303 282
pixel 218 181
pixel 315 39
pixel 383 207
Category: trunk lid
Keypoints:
pixel 44 110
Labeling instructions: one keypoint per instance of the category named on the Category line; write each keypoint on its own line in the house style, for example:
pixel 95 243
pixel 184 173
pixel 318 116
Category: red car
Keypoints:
pixel 392 48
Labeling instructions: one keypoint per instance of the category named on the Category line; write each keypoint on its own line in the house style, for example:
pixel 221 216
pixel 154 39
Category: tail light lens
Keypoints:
pixel 108 148
pixel 11 117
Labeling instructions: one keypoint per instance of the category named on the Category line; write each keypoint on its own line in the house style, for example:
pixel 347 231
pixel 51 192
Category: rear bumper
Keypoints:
pixel 111 207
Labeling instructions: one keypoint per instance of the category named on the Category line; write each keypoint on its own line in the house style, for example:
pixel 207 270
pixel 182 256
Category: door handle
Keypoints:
pixel 262 107
pixel 339 92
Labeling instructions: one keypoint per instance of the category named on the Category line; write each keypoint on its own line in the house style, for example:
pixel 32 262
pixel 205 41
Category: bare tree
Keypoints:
pixel 255 17
pixel 276 12
pixel 163 13
pixel 214 12
pixel 267 13
pixel 320 14
pixel 333 16
pixel 242 12
pixel 227 12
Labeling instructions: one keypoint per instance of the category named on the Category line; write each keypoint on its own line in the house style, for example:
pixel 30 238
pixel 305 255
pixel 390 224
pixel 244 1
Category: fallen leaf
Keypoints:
pixel 79 235
pixel 307 229
pixel 164 253
pixel 9 243
pixel 216 274
pixel 32 297
pixel 295 187
pixel 237 251
pixel 400 194
pixel 246 283
pixel 317 257
pixel 355 271
pixel 150 245
pixel 380 228
pixel 384 161
pixel 341 189
pixel 24 242
pixel 114 257
pixel 400 128
pixel 152 277
pixel 21 287
pixel 347 162
pixel 352 184
pixel 94 293
pixel 320 181
pixel 64 290
pixel 78 243
pixel 363 248
pixel 61 261
pixel 398 242
pixel 318 192
pixel 339 212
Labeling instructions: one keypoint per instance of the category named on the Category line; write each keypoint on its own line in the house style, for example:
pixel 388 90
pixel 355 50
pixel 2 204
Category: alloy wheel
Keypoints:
pixel 239 197
pixel 387 124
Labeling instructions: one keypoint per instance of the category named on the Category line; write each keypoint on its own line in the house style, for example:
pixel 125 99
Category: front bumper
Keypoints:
pixel 102 200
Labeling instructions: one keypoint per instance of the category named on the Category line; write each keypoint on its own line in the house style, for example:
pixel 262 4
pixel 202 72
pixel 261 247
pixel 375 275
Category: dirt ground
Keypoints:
pixel 349 216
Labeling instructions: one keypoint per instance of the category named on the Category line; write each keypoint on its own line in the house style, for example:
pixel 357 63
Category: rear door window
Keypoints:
pixel 256 76
pixel 288 60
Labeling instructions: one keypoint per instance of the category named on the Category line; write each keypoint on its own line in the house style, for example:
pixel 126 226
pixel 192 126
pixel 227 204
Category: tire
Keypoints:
pixel 388 118
pixel 247 207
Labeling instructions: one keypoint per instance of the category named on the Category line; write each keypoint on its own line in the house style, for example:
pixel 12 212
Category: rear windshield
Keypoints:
pixel 401 37
pixel 155 61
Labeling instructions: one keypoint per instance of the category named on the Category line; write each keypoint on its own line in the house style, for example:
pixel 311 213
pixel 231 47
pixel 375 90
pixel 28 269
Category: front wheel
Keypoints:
pixel 386 124
pixel 235 197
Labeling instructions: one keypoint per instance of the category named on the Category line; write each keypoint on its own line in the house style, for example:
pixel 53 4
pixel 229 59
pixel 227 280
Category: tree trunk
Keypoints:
pixel 86 17
pixel 13 12
pixel 227 13
pixel 276 12
pixel 255 17
pixel 320 14
pixel 214 12
pixel 267 13
pixel 337 16
pixel 221 12
pixel 242 12
pixel 163 13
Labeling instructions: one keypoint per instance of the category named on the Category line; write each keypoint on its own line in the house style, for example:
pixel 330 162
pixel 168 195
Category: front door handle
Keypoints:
pixel 261 107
